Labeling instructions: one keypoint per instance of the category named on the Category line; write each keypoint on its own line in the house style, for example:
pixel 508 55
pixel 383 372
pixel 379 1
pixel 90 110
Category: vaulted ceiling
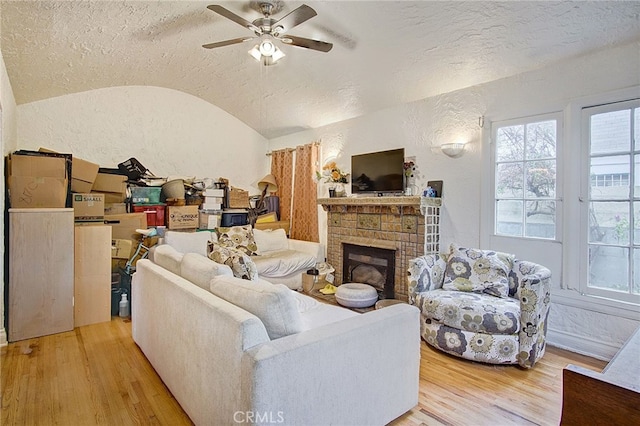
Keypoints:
pixel 385 52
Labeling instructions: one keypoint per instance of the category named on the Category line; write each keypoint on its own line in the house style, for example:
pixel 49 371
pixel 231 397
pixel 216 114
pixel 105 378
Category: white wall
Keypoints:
pixel 8 140
pixel 169 132
pixel 423 125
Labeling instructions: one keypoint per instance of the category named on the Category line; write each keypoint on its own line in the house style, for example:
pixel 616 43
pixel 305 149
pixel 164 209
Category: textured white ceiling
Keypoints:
pixel 385 52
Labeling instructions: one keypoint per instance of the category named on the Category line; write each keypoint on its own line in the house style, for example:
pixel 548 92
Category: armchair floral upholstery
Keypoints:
pixel 461 319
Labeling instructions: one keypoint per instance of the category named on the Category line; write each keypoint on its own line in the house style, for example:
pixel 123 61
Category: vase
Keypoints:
pixel 340 191
pixel 332 192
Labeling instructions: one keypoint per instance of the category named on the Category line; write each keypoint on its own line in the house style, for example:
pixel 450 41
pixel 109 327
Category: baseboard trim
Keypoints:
pixel 581 344
pixel 3 337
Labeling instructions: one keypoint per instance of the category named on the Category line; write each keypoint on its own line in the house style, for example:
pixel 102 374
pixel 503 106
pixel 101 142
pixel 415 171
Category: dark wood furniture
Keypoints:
pixel 611 397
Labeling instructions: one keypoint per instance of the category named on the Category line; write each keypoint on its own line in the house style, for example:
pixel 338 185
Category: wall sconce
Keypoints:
pixel 453 150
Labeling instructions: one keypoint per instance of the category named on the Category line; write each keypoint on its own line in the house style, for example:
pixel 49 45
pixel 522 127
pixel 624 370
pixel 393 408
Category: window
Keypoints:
pixel 525 177
pixel 612 136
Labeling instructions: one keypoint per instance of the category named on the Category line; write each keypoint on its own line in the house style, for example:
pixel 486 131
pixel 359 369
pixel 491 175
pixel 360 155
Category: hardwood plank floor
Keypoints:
pixel 97 375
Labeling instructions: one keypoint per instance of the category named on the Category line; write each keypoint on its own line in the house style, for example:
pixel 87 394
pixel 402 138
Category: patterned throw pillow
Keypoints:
pixel 241 265
pixel 481 271
pixel 239 238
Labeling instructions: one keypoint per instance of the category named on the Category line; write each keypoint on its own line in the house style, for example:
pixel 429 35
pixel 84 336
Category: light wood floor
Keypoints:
pixel 97 375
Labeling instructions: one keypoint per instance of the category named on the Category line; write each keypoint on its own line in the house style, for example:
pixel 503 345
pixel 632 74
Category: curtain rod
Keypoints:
pixel 269 153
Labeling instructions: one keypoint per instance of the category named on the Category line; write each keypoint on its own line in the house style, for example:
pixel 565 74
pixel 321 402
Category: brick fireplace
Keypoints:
pixel 406 226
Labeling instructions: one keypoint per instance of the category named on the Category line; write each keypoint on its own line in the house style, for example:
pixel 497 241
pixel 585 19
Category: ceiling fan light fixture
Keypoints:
pixel 267 48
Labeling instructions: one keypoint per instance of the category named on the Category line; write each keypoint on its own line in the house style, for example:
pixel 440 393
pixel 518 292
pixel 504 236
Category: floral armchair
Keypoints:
pixel 482 305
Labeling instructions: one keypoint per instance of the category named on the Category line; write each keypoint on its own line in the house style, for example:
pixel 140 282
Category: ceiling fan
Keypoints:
pixel 269 30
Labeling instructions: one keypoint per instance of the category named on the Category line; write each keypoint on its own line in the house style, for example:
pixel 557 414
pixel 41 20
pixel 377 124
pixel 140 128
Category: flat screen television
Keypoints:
pixel 378 172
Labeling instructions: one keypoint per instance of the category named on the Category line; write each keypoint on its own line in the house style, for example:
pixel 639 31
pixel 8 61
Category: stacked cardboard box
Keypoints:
pixel 211 209
pixel 38 180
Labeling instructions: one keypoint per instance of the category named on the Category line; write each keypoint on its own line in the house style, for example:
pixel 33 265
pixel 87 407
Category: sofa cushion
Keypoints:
pixel 238 237
pixel 277 264
pixel 200 270
pixel 481 271
pixel 189 242
pixel 270 240
pixel 168 257
pixel 274 304
pixel 473 312
pixel 241 264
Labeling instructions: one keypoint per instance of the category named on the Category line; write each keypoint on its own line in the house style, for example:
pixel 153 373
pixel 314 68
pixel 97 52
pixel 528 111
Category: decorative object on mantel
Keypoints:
pixel 336 178
pixel 409 167
pixel 436 189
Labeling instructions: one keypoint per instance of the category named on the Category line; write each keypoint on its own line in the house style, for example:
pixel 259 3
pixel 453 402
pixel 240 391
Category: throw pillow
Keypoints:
pixel 273 304
pixel 241 265
pixel 481 271
pixel 238 237
pixel 270 240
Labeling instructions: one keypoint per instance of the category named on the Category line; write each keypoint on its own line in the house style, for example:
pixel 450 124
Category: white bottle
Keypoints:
pixel 124 306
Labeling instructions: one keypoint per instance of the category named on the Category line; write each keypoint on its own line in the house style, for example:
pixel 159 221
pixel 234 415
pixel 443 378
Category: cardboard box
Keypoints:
pixel 106 182
pixel 115 208
pixel 88 207
pixel 83 173
pixel 209 220
pixel 182 217
pixel 121 249
pixel 37 181
pixel 123 226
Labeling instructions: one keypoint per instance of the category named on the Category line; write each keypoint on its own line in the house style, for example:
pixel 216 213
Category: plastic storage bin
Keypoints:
pixel 155 213
pixel 145 194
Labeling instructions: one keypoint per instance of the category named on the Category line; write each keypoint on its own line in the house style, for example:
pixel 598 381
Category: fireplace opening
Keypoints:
pixel 370 265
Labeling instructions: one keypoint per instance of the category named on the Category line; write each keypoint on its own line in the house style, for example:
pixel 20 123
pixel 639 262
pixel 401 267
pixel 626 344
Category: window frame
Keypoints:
pixel 585 113
pixel 524 121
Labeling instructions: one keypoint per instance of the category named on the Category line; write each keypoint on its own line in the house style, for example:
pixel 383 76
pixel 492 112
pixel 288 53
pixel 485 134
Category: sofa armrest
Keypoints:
pixel 533 290
pixel 425 273
pixel 314 249
pixel 361 370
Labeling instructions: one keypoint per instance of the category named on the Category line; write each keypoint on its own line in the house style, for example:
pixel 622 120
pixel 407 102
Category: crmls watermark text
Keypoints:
pixel 258 417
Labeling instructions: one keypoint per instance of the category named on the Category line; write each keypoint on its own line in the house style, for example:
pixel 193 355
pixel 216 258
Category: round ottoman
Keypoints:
pixel 356 295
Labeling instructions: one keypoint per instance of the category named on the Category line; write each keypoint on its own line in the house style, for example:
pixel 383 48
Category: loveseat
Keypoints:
pixel 233 351
pixel 482 305
pixel 277 259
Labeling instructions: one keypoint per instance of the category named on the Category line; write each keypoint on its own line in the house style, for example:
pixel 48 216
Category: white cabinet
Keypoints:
pixel 41 257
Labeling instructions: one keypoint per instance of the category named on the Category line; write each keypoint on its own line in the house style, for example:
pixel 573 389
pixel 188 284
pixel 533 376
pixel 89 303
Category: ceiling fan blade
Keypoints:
pixel 295 17
pixel 227 42
pixel 322 46
pixel 232 16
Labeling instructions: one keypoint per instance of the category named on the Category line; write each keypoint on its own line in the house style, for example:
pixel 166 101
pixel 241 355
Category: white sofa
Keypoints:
pixel 281 260
pixel 285 358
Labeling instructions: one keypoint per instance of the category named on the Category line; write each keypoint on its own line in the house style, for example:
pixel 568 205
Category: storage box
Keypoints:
pixel 209 220
pixel 37 181
pixel 88 207
pixel 121 249
pixel 238 198
pixel 145 194
pixel 83 173
pixel 123 226
pixel 213 192
pixel 113 186
pixel 182 217
pixel 234 218
pixel 115 208
pixel 155 213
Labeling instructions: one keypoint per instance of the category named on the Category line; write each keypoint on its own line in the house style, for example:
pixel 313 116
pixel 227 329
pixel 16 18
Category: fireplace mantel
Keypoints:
pixel 380 201
pixel 408 225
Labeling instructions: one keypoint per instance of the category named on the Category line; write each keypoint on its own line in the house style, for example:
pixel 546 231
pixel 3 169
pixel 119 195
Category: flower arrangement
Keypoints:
pixel 332 173
pixel 409 167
